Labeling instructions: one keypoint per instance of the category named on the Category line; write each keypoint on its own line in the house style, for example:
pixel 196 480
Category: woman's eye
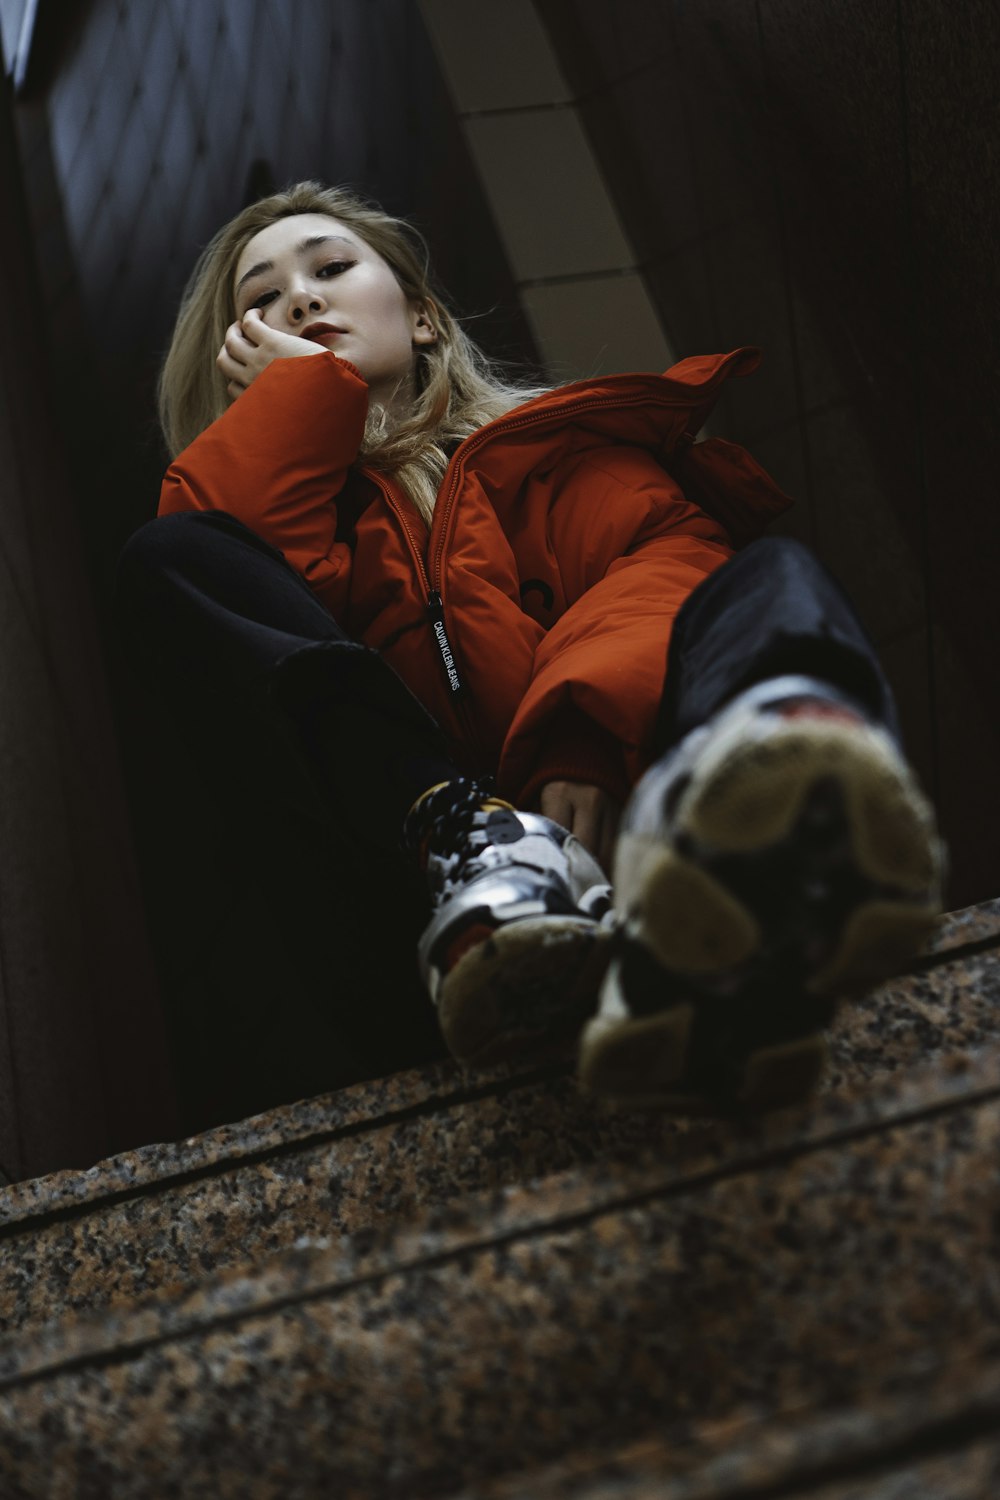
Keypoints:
pixel 263 299
pixel 334 267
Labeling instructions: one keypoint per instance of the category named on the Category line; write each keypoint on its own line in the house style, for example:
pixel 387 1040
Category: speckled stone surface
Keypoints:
pixel 169 1215
pixel 939 1013
pixel 830 1248
pixel 974 924
pixel 340 1111
pixel 929 1433
pixel 973 1473
pixel 161 1162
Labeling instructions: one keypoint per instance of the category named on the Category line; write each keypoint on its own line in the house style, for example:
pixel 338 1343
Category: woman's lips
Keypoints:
pixel 320 331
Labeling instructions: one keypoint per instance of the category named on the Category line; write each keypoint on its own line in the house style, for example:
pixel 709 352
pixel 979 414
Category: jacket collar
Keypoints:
pixel 660 412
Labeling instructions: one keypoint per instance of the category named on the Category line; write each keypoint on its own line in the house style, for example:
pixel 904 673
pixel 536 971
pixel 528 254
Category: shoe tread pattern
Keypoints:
pixel 526 988
pixel 750 795
pixel 714 901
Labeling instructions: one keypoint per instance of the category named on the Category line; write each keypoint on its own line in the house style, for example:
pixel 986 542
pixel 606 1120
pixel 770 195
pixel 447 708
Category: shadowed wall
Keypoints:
pixel 144 127
pixel 82 1051
pixel 818 180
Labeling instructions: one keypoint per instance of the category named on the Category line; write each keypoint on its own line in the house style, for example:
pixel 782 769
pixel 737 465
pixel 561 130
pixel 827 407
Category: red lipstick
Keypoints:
pixel 319 331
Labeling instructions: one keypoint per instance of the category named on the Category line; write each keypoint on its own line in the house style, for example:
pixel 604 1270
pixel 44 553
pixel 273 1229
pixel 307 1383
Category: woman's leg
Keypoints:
pixel 266 684
pixel 223 625
pixel 778 855
pixel 773 610
pixel 311 751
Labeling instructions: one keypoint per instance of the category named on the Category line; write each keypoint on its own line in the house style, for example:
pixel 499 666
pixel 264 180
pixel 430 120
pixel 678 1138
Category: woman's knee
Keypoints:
pixel 784 551
pixel 163 542
pixel 168 548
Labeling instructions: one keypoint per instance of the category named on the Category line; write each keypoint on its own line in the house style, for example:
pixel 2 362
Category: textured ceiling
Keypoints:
pixel 157 113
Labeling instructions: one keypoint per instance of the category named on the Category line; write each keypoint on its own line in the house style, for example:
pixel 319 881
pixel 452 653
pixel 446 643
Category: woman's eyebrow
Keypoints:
pixel 308 244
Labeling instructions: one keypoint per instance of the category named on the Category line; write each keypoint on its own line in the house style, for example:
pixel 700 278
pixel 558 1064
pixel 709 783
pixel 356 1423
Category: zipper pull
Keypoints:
pixel 435 614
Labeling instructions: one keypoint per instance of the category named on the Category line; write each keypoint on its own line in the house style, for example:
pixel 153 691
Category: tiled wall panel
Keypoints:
pixel 576 269
pixel 190 96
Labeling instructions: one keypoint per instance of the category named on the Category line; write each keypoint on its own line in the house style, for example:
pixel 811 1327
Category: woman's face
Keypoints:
pixel 312 277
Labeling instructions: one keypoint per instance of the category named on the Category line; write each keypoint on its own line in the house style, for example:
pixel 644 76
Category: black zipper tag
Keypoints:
pixel 435 612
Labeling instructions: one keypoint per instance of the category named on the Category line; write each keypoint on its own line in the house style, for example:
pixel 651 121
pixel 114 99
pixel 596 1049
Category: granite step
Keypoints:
pixel 163 1217
pixel 786 1266
pixel 932 1432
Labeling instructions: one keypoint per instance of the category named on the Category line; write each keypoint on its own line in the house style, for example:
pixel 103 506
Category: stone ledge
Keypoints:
pixel 516 1326
pixel 317 1265
pixel 974 924
pixel 327 1115
pixel 413 1141
pixel 929 1433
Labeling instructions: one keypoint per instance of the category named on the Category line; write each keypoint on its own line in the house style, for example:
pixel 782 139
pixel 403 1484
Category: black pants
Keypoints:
pixel 312 749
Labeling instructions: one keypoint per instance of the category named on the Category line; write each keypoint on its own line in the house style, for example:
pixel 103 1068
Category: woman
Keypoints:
pixel 459 595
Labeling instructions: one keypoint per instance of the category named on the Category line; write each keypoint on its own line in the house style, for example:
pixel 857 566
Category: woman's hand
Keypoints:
pixel 250 347
pixel 587 812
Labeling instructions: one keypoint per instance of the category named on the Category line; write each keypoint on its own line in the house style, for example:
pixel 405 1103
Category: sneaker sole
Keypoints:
pixel 749 800
pixel 525 989
pixel 746 799
pixel 643 1063
pixel 750 794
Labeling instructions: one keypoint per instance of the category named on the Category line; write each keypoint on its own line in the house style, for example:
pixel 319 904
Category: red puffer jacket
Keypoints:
pixel 533 621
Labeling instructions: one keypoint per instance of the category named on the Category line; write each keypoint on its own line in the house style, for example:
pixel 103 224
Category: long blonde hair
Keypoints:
pixel 457 387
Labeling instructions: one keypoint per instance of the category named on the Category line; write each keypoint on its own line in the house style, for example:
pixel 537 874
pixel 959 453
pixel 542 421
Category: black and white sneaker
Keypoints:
pixel 515 951
pixel 782 856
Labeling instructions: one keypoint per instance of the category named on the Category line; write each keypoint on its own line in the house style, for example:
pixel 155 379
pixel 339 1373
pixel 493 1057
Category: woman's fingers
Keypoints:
pixel 586 824
pixel 555 804
pixel 236 375
pixel 608 836
pixel 252 327
pixel 250 346
pixel 232 357
pixel 589 814
pixel 237 345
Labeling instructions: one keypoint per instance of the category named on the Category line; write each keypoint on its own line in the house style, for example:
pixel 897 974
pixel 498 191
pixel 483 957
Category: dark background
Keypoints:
pixel 817 179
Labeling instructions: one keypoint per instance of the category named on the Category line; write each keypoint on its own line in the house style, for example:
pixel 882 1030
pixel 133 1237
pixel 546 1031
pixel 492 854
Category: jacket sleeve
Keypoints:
pixel 631 547
pixel 277 459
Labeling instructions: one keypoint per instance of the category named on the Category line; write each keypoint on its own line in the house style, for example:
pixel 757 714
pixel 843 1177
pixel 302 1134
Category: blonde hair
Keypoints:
pixel 457 387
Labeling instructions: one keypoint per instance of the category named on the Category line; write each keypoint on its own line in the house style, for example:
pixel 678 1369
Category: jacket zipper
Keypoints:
pixel 434 606
pixel 430 579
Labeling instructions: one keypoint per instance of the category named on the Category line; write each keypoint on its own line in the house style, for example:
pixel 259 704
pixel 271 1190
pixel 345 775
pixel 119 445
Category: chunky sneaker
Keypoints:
pixel 780 857
pixel 515 951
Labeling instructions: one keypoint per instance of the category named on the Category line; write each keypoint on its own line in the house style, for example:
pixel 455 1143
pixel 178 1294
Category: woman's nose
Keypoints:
pixel 303 300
